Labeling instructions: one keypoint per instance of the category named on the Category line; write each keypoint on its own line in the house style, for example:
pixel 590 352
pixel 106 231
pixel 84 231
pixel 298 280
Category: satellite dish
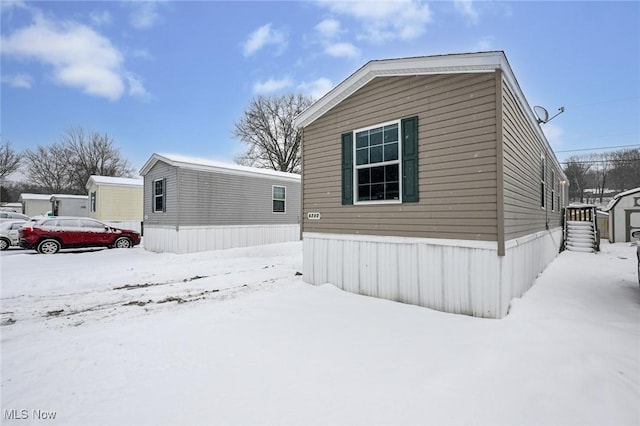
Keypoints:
pixel 541 113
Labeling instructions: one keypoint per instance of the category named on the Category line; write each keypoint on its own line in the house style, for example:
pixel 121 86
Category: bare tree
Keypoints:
pixel 267 129
pixel 92 154
pixel 66 166
pixel 48 166
pixel 576 171
pixel 9 160
pixel 600 166
pixel 625 173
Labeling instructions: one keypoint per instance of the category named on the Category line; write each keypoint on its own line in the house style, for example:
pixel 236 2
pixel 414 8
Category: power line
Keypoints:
pixel 594 149
pixel 599 161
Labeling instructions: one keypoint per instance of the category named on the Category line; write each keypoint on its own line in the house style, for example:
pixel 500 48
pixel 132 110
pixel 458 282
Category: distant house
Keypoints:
pixel 13 207
pixel 624 215
pixel 429 181
pixel 195 205
pixel 116 200
pixel 69 205
pixel 35 204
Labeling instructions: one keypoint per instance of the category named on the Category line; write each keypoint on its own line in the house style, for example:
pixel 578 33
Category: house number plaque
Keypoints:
pixel 313 216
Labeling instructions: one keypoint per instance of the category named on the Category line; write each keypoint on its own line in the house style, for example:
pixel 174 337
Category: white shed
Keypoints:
pixel 35 204
pixel 69 205
pixel 624 215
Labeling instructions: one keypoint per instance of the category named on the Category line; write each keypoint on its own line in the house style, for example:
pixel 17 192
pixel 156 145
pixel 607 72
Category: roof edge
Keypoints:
pixel 194 164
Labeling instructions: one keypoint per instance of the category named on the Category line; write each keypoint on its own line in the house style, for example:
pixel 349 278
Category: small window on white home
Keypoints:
pixel 93 201
pixel 543 188
pixel 159 201
pixel 279 197
pixel 553 192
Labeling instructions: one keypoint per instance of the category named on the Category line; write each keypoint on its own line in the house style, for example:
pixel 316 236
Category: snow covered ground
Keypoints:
pixel 129 337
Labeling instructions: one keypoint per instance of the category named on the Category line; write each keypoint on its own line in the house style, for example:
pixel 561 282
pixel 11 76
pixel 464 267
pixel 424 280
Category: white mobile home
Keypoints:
pixel 35 204
pixel 69 205
pixel 193 204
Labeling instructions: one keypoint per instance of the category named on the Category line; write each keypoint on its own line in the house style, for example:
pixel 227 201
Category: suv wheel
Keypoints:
pixel 122 242
pixel 48 246
pixel 4 244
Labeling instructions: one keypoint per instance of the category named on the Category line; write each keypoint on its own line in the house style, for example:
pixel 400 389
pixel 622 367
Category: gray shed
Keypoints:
pixel 193 204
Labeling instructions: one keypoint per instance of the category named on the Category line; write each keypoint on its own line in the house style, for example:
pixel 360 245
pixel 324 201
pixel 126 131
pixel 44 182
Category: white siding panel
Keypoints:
pixel 203 238
pixel 466 280
pixel 408 286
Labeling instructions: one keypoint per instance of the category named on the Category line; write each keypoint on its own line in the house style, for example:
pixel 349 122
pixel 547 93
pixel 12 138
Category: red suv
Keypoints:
pixel 51 234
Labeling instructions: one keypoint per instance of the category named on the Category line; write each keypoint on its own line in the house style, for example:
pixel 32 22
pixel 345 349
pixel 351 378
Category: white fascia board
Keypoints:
pixel 445 64
pixel 214 167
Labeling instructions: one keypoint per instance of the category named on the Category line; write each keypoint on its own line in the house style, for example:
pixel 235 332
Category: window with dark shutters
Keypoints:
pixel 382 165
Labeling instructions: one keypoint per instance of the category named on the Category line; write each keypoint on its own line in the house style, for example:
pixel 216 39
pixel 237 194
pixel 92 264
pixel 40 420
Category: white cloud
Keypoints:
pixel 385 20
pixel 317 88
pixel 13 4
pixel 144 15
pixel 79 56
pixel 100 18
pixel 466 8
pixel 271 85
pixel 20 81
pixel 329 28
pixel 263 36
pixel 136 88
pixel 141 54
pixel 341 50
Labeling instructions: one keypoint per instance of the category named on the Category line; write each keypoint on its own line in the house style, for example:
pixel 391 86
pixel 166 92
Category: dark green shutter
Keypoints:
pixel 410 160
pixel 347 168
pixel 164 195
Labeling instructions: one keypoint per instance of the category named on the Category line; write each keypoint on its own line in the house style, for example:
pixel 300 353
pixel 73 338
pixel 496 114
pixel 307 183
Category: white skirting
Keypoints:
pixel 465 277
pixel 191 239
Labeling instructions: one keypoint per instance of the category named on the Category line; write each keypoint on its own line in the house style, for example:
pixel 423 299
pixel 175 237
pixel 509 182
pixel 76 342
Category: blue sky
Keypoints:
pixel 174 77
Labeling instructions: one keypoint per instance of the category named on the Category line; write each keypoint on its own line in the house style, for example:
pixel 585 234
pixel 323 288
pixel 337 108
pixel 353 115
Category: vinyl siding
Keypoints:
pixel 523 149
pixel 456 157
pixel 208 198
pixel 202 198
pixel 161 170
pixel 121 203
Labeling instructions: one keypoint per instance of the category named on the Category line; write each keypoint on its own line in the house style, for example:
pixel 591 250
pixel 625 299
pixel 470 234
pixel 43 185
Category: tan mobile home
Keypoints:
pixel 116 200
pixel 429 181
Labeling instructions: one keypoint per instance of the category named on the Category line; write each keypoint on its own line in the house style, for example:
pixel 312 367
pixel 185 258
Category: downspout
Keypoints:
pixel 499 163
pixel 301 214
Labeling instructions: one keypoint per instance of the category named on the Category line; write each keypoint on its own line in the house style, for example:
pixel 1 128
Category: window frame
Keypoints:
pixel 398 161
pixel 155 196
pixel 274 199
pixel 553 191
pixel 543 183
